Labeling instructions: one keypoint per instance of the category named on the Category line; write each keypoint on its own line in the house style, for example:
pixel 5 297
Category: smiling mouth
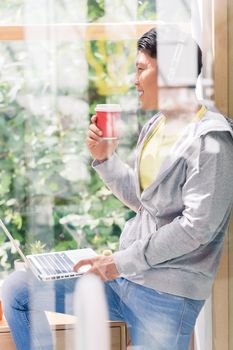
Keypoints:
pixel 140 93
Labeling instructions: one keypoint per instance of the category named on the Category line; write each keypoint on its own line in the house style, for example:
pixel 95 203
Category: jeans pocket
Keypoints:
pixel 191 311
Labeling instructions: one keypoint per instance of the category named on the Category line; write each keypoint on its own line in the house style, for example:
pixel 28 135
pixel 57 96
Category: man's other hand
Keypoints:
pixel 102 266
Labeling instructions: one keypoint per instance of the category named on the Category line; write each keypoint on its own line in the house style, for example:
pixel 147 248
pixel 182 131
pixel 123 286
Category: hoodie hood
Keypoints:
pixel 230 122
pixel 214 122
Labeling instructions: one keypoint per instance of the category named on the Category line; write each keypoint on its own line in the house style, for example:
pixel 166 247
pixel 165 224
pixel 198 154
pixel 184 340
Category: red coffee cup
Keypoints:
pixel 108 117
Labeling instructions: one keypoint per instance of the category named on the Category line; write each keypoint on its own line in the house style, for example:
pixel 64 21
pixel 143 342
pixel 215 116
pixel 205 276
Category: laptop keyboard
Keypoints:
pixel 53 264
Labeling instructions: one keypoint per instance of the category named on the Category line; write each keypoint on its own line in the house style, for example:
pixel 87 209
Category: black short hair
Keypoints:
pixel 148 43
pixel 199 60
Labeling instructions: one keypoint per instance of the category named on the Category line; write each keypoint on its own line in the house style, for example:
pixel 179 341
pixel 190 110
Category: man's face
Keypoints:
pixel 146 80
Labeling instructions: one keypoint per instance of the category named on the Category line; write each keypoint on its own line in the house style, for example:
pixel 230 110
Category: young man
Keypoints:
pixel 182 193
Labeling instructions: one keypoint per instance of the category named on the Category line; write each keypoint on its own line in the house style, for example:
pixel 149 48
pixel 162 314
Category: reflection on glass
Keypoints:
pixel 50 193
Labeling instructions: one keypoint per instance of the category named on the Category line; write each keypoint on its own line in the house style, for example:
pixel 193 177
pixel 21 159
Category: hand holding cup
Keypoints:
pixel 103 132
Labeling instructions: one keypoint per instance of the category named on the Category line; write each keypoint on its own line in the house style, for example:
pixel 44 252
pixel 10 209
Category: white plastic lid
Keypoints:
pixel 108 108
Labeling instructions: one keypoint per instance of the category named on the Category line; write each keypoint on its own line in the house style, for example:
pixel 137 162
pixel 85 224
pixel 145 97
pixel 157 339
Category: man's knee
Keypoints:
pixel 15 291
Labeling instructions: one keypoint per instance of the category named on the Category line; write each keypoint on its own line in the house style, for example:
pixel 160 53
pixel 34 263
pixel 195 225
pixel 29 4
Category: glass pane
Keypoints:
pixel 17 12
pixel 83 54
pixel 11 12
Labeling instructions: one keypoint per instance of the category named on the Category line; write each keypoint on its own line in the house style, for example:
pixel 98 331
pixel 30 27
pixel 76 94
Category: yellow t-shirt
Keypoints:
pixel 157 146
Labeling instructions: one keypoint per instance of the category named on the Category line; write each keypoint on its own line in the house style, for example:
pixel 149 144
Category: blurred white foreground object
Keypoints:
pixel 92 330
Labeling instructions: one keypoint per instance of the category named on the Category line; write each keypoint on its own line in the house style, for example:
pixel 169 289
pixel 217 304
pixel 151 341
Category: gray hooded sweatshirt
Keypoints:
pixel 175 241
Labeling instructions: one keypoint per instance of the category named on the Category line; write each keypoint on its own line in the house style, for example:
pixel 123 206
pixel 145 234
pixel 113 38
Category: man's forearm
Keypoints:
pixel 120 179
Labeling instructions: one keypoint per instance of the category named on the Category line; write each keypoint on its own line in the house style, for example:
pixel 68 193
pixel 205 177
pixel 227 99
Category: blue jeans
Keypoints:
pixel 156 321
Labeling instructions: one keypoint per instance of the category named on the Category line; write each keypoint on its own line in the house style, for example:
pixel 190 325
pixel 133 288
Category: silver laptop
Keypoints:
pixel 55 265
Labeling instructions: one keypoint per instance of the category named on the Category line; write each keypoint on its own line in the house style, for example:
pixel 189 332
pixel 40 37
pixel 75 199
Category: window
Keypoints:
pixel 58 60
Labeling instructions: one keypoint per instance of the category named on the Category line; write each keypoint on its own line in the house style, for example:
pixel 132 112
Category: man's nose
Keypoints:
pixel 135 80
